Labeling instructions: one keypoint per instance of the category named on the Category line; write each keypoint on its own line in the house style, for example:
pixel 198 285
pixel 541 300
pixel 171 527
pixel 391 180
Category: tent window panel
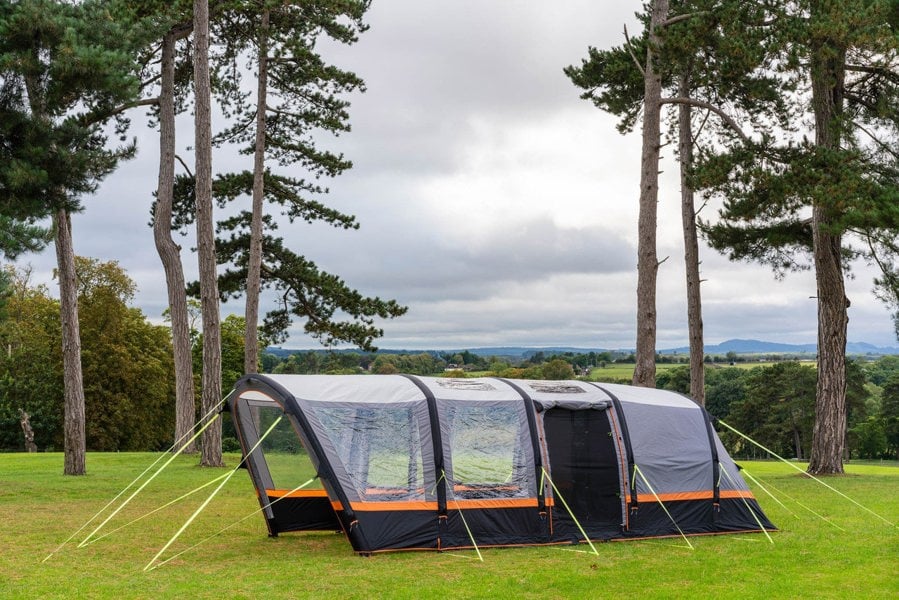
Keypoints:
pixel 488 450
pixel 379 448
pixel 288 462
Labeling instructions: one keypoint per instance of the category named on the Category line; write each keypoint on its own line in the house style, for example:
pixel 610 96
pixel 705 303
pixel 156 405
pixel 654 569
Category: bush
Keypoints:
pixel 230 444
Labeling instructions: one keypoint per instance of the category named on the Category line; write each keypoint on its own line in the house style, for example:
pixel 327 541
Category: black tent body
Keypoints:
pixel 409 462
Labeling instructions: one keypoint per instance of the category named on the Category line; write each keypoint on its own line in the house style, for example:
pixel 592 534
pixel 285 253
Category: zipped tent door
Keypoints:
pixel 586 470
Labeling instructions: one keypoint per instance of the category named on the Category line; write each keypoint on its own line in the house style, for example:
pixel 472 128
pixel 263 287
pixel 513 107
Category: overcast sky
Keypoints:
pixel 493 202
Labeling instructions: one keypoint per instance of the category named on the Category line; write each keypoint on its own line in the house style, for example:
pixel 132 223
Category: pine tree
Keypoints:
pixel 829 195
pixel 65 72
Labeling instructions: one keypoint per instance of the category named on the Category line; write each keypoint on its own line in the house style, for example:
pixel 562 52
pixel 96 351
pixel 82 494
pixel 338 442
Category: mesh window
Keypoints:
pixel 489 455
pixel 287 460
pixel 380 449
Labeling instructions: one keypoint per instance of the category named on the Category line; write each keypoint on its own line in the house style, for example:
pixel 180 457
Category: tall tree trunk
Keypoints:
pixel 647 260
pixel 691 248
pixel 829 435
pixel 170 252
pixel 74 420
pixel 797 441
pixel 209 297
pixel 254 268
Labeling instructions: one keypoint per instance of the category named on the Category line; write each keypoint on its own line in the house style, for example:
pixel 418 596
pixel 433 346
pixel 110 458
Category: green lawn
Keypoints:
pixel 622 371
pixel 625 371
pixel 39 508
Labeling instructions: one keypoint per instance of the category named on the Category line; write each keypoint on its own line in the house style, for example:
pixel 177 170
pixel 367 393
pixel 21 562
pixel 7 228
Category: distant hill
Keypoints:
pixel 738 346
pixel 760 347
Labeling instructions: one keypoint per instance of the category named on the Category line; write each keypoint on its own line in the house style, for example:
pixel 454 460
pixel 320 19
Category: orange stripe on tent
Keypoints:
pixel 487 503
pixel 701 495
pixel 296 493
pixel 392 505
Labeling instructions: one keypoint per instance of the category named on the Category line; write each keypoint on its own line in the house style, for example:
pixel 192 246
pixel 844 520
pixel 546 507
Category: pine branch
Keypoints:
pixel 711 107
pixel 630 50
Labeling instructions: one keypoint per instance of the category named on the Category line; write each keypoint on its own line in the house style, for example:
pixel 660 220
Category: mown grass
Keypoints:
pixel 39 508
pixel 625 371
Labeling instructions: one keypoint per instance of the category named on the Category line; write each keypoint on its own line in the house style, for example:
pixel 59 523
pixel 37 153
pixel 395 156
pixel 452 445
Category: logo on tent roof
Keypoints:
pixel 465 384
pixel 555 388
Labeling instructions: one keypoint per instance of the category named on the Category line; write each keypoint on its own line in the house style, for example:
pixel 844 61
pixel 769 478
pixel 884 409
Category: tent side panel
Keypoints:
pixel 697 517
pixel 304 514
pixel 671 448
pixel 377 531
pixel 493 527
pixel 739 515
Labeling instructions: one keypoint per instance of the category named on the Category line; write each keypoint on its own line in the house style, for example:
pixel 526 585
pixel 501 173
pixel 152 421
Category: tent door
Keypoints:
pixel 585 468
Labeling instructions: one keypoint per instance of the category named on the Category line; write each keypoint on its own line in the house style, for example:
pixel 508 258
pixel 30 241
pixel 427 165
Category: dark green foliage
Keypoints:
pixel 775 405
pixel 724 388
pixel 127 365
pixel 20 237
pixel 778 409
pixel 232 352
pixel 850 171
pixel 612 81
pixel 675 380
pixel 415 364
pixel 333 312
pixel 65 69
pixel 31 367
pixel 557 369
pixel 721 46
pixel 882 369
pixel 890 415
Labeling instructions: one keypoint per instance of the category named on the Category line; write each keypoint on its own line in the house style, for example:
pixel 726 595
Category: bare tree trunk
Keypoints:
pixel 74 420
pixel 209 297
pixel 797 441
pixel 691 249
pixel 27 431
pixel 170 252
pixel 829 436
pixel 647 260
pixel 254 268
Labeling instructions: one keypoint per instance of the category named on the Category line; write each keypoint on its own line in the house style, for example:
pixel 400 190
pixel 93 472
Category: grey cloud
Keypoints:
pixel 417 262
pixel 431 68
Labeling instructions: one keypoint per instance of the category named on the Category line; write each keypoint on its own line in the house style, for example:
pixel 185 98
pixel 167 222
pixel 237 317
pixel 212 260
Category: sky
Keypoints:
pixel 492 201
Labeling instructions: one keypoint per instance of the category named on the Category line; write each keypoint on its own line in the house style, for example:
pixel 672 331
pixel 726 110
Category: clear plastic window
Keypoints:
pixel 380 449
pixel 288 462
pixel 488 452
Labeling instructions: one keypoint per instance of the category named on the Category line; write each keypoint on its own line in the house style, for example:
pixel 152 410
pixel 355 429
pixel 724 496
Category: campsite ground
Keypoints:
pixel 851 555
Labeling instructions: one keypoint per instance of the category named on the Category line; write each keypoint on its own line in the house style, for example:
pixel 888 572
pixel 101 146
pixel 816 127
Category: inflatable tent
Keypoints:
pixel 409 462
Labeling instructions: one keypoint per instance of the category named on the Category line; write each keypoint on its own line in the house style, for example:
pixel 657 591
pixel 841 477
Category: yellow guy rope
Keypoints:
pixel 156 510
pixel 662 504
pixel 573 518
pixel 746 503
pixel 820 516
pixel 831 488
pixel 130 485
pixel 764 489
pixel 462 515
pixel 145 483
pixel 234 524
pixel 212 495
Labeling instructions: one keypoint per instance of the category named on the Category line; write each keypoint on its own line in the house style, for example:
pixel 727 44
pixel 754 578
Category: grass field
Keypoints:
pixel 625 371
pixel 40 508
